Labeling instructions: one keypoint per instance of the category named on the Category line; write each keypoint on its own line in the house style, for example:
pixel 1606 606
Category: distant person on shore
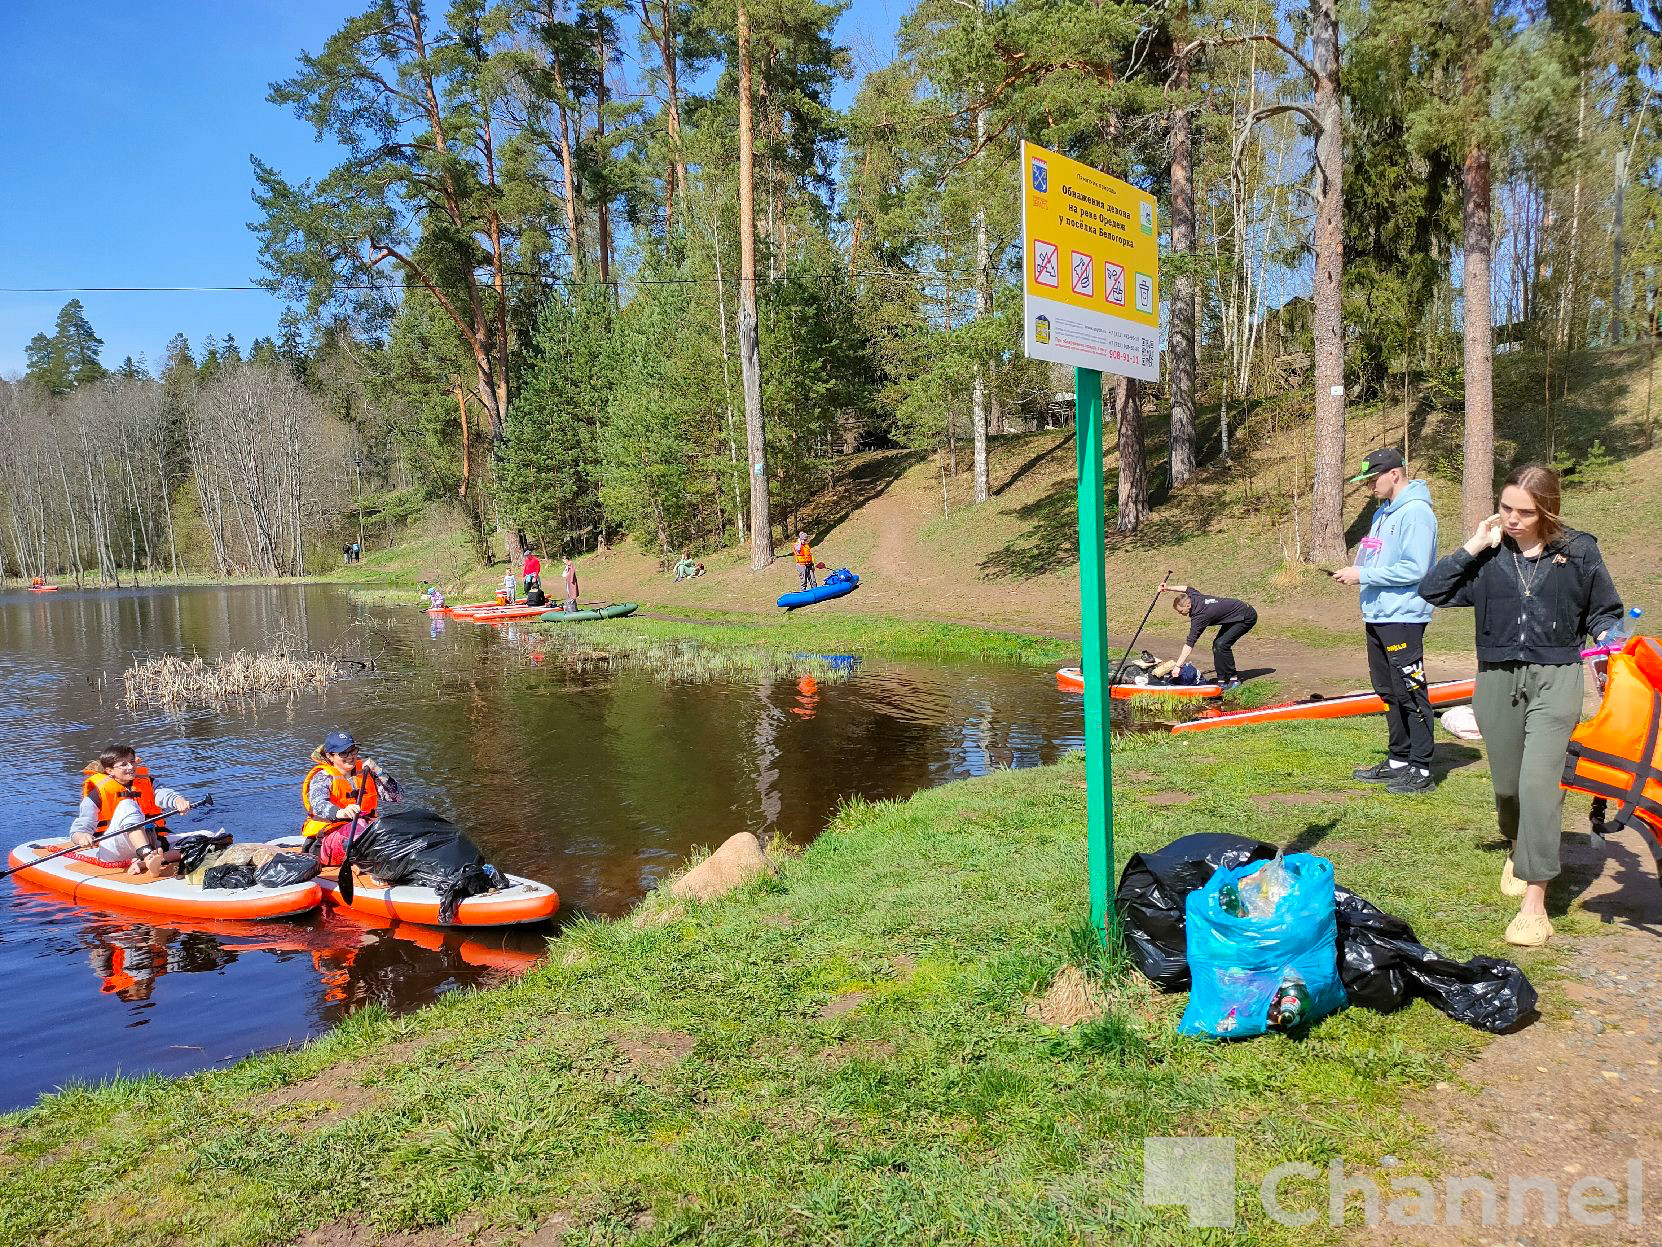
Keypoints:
pixel 510 586
pixel 1231 617
pixel 341 791
pixel 686 569
pixel 1390 563
pixel 435 597
pixel 1539 589
pixel 531 570
pixel 346 553
pixel 569 577
pixel 118 795
pixel 805 561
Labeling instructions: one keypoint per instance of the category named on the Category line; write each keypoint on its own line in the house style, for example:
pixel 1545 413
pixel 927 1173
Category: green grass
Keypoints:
pixel 840 633
pixel 931 1109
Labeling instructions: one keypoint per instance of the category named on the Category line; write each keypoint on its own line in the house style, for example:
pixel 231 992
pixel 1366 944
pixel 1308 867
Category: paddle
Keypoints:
pixel 1118 671
pixel 206 803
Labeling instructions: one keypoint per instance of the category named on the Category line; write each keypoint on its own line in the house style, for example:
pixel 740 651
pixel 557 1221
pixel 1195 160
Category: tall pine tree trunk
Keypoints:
pixel 1478 475
pixel 1327 529
pixel 1133 458
pixel 1183 289
pixel 983 307
pixel 750 352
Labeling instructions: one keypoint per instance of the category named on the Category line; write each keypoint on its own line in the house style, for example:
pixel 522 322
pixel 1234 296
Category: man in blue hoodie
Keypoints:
pixel 1390 563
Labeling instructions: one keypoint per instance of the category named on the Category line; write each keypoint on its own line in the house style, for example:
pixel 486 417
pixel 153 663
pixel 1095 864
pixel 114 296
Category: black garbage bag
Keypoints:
pixel 1381 961
pixel 197 845
pixel 421 848
pixel 1370 953
pixel 242 876
pixel 1153 888
pixel 1384 966
pixel 288 868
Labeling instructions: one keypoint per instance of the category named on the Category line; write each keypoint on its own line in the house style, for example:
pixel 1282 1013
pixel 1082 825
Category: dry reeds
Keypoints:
pixel 580 649
pixel 174 681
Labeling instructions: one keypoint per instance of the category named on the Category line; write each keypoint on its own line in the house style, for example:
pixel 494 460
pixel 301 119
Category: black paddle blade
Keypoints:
pixel 344 878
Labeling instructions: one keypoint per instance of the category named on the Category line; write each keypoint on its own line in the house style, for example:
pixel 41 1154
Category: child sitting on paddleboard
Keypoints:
pixel 1231 617
pixel 118 796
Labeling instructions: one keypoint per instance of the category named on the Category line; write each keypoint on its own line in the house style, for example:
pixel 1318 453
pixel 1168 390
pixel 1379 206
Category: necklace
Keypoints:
pixel 1528 586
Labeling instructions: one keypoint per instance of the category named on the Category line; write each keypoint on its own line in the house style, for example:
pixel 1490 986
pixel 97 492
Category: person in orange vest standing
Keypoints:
pixel 340 792
pixel 1538 589
pixel 119 795
pixel 805 561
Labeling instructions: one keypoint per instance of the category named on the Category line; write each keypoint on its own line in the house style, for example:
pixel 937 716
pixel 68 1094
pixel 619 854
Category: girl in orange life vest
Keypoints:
pixel 805 560
pixel 117 795
pixel 1539 589
pixel 338 792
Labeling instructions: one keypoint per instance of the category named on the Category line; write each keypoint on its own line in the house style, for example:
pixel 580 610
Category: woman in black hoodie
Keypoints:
pixel 1539 590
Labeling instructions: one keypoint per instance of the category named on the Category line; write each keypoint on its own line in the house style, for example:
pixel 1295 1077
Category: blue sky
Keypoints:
pixel 128 128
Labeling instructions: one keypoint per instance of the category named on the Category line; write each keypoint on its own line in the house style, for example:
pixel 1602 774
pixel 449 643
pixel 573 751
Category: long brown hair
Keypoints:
pixel 1541 483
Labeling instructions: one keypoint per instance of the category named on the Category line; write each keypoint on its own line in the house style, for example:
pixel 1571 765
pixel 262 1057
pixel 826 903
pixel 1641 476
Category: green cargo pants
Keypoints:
pixel 1526 713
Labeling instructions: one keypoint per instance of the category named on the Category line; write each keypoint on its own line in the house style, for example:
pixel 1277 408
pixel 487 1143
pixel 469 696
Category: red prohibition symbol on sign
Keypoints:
pixel 1113 282
pixel 1046 263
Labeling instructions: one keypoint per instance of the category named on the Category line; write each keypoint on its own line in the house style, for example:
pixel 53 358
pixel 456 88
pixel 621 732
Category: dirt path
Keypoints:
pixel 1578 1094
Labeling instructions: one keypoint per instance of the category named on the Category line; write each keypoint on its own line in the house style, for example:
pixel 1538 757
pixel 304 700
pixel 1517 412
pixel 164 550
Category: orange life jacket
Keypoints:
pixel 345 787
pixel 805 554
pixel 109 792
pixel 1617 754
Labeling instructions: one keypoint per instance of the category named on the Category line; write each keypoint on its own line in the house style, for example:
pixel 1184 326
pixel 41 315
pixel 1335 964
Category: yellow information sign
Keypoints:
pixel 1091 267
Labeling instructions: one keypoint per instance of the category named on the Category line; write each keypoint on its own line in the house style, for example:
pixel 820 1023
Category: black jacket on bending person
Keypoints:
pixel 1572 598
pixel 1206 611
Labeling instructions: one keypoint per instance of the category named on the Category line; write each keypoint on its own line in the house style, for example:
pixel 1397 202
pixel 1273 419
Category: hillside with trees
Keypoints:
pixel 590 272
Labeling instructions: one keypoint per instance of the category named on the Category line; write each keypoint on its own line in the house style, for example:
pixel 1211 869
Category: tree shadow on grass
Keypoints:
pixel 861 484
pixel 1051 539
pixel 1034 462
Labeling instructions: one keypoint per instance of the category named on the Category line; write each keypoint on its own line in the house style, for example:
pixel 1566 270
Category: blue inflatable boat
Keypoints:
pixel 839 583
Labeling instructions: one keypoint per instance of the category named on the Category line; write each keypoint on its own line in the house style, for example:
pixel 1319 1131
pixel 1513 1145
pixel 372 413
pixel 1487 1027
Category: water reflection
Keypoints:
pixel 598 782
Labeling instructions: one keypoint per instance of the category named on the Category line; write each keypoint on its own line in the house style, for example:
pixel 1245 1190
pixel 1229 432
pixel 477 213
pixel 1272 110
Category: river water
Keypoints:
pixel 597 783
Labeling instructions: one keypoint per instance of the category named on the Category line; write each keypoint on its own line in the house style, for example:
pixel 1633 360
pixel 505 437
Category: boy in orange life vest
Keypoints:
pixel 117 796
pixel 340 791
pixel 805 560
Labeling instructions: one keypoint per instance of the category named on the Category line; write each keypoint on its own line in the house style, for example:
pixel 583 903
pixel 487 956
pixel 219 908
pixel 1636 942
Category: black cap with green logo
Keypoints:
pixel 1378 463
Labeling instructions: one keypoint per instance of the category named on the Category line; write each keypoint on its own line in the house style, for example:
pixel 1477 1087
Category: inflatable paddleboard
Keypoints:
pixel 525 900
pixel 1072 680
pixel 1447 693
pixel 97 886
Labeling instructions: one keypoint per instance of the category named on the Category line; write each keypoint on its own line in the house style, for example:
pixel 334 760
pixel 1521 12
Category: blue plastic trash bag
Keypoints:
pixel 1242 966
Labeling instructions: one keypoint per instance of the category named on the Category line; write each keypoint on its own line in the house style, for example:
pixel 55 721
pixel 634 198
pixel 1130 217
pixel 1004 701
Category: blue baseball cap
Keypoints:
pixel 339 742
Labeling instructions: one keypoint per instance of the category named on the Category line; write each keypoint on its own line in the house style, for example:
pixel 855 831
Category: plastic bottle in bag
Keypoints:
pixel 1229 900
pixel 1264 889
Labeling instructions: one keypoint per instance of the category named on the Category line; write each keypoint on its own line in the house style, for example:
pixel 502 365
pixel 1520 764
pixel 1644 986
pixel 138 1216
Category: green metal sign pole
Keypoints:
pixel 1093 636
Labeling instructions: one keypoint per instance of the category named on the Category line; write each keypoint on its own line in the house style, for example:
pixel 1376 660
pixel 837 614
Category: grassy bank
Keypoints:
pixel 837 633
pixel 840 1054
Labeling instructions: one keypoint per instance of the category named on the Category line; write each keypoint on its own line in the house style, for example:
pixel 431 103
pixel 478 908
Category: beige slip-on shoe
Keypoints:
pixel 1529 930
pixel 1510 884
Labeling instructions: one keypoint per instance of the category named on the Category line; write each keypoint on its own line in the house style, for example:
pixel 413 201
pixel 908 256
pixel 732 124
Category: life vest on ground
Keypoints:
pixel 1617 754
pixel 345 787
pixel 805 554
pixel 110 792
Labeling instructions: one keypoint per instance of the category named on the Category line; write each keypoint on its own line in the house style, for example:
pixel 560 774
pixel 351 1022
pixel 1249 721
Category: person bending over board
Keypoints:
pixel 1231 617
pixel 117 796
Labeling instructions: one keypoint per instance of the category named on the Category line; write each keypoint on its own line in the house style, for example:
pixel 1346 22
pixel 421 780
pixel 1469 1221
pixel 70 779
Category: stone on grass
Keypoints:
pixel 739 860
